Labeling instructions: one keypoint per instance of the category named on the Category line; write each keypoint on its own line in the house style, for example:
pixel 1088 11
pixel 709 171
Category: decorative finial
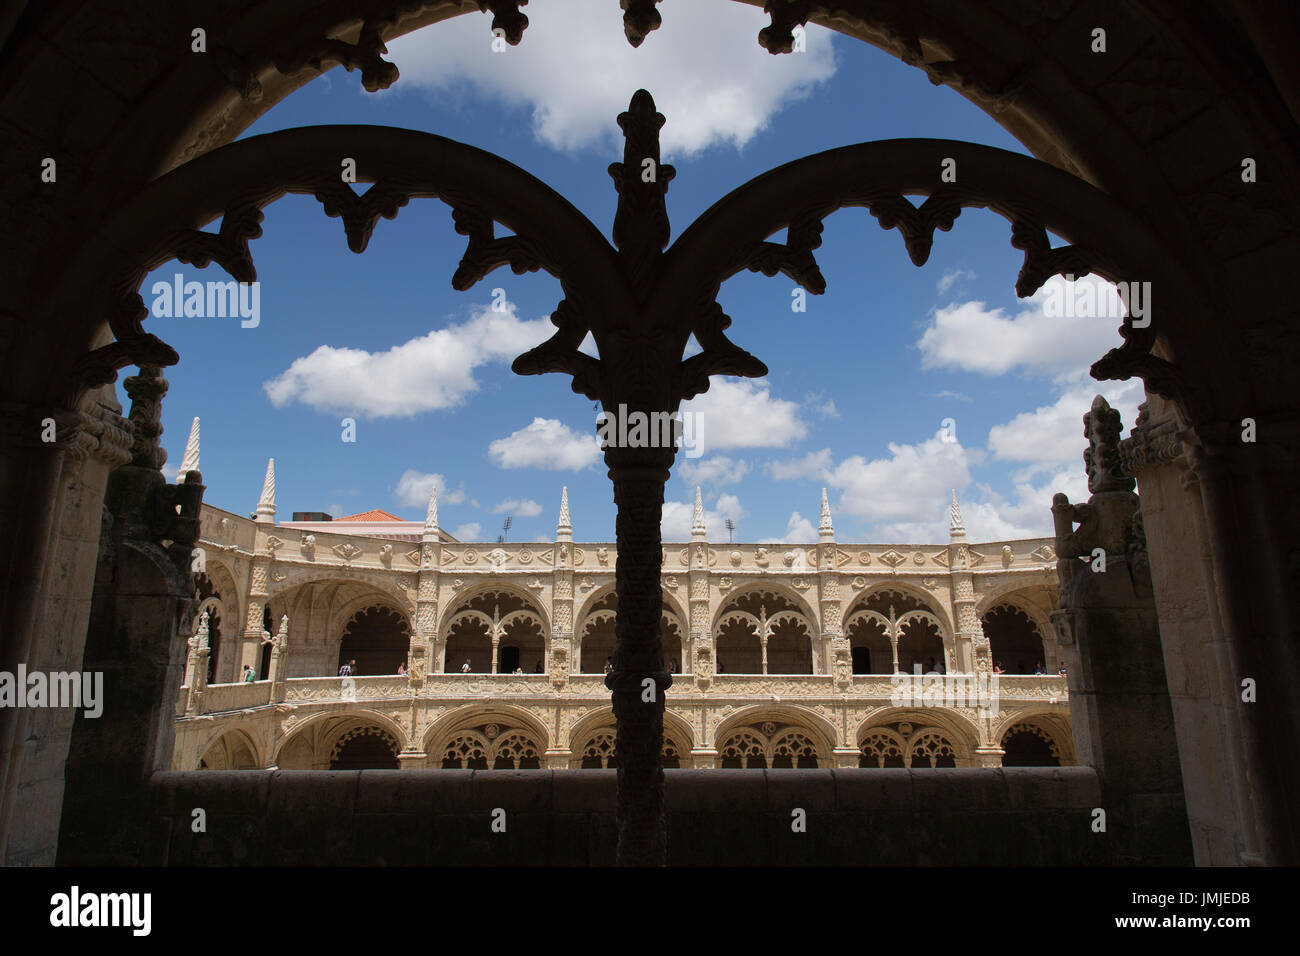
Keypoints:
pixel 697 516
pixel 201 632
pixel 639 19
pixel 1102 428
pixel 146 392
pixel 564 527
pixel 282 635
pixel 824 527
pixel 431 514
pixel 641 227
pixel 266 505
pixel 191 460
pixel 956 528
pixel 507 18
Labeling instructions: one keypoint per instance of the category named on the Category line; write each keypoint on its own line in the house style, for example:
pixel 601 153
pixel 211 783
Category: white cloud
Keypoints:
pixel 740 413
pixel 473 531
pixel 948 279
pixel 815 464
pixel 414 486
pixel 525 508
pixel 676 522
pixel 1028 514
pixel 546 443
pixel 799 530
pixel 971 337
pixel 1053 433
pixel 576 73
pixel 911 488
pixel 955 396
pixel 432 372
pixel 714 471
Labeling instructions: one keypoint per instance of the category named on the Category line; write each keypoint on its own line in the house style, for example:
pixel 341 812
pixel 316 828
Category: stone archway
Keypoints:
pixel 377 638
pixel 1017 64
pixel 897 631
pixel 1014 640
pixel 765 630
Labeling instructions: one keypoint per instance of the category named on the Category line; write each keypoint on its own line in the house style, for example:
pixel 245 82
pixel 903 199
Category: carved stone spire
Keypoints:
pixel 266 504
pixel 431 515
pixel 146 392
pixel 698 530
pixel 956 528
pixel 1102 427
pixel 825 529
pixel 564 527
pixel 641 227
pixel 191 460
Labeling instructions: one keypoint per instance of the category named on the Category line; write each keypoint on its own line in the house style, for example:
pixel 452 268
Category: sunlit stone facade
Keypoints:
pixel 782 655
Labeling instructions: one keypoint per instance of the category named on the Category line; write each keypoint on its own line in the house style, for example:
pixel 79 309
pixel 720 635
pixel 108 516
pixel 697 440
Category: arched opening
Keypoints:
pixel 517 624
pixel 899 626
pixel 769 744
pixel 1028 745
pixel 488 743
pixel 986 95
pixel 738 641
pixel 597 637
pixel 1014 640
pixel 905 743
pixel 598 752
pixel 264 653
pixel 230 751
pixel 207 592
pixel 378 639
pixel 364 748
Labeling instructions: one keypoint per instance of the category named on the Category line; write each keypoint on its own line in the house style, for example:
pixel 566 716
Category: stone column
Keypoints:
pixel 1119 698
pixel 258 575
pixel 970 652
pixel 279 648
pixel 196 667
pixel 560 657
pixel 697 582
pixel 143 600
pixel 424 635
pixel 31 483
pixel 43 623
pixel 640 679
pixel 840 655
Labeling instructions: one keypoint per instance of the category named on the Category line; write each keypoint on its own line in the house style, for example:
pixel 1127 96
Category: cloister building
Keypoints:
pixel 782 655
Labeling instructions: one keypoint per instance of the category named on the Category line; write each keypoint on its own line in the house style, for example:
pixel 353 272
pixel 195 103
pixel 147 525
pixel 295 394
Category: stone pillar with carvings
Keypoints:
pixel 196 666
pixel 559 659
pixel 279 648
pixel 970 651
pixel 141 617
pixel 697 577
pixel 258 573
pixel 835 650
pixel 424 636
pixel 1119 698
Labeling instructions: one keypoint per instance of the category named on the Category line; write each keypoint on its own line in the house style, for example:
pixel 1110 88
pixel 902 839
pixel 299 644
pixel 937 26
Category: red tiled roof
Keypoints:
pixel 375 515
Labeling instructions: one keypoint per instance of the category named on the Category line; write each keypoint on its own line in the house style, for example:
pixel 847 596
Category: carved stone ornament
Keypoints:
pixel 346 550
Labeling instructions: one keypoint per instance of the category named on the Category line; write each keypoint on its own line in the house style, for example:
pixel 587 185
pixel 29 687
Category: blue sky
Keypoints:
pixel 859 385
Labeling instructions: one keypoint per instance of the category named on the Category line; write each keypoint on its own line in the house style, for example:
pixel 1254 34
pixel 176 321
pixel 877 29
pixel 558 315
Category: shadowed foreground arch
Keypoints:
pixel 1015 63
pixel 615 293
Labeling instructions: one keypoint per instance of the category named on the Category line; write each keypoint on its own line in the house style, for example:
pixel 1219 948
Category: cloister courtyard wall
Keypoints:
pixel 782 655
